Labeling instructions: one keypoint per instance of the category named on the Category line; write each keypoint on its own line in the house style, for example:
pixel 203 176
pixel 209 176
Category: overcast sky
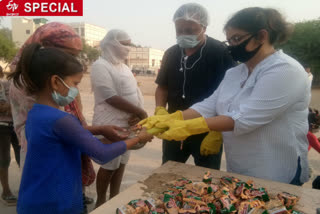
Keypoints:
pixel 149 22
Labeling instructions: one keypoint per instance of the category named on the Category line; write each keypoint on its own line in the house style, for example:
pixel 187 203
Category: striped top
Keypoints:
pixel 270 111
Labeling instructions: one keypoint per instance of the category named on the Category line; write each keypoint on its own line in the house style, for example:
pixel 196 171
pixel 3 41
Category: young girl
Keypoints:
pixel 51 179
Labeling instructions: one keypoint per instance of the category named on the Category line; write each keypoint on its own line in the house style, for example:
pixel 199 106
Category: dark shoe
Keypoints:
pixel 316 183
pixel 9 200
pixel 88 200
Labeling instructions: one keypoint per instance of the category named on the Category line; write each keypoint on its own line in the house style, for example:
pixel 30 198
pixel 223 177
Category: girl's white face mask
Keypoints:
pixel 62 100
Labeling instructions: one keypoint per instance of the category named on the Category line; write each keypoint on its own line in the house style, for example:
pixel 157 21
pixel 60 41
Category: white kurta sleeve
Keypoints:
pixel 207 107
pixel 103 83
pixel 274 92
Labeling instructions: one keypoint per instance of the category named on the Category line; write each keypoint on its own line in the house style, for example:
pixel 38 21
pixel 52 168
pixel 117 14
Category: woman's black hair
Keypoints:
pixel 38 64
pixel 254 19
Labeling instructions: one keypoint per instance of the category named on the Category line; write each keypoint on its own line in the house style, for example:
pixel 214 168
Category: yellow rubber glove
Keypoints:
pixel 160 110
pixel 151 121
pixel 211 144
pixel 181 129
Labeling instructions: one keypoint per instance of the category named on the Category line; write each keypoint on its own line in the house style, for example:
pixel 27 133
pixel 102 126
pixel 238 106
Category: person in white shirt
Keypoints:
pixel 261 105
pixel 308 70
pixel 118 101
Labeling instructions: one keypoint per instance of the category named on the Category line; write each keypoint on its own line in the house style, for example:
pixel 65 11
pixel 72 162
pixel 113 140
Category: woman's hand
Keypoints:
pixel 181 129
pixel 113 133
pixel 150 122
pixel 211 144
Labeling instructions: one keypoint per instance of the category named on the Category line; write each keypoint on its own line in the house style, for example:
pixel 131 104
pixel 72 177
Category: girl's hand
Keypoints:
pixel 114 133
pixel 144 136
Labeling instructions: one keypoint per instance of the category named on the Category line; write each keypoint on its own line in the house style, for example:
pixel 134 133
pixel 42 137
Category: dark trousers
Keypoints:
pixel 171 151
pixel 8 137
pixel 316 183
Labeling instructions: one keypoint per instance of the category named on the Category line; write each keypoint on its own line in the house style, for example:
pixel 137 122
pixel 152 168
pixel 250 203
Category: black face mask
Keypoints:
pixel 239 52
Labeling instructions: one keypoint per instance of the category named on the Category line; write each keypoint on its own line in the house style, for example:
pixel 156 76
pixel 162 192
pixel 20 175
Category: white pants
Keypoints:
pixel 115 163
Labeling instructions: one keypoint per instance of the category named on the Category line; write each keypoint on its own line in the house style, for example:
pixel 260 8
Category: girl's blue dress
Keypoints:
pixel 51 179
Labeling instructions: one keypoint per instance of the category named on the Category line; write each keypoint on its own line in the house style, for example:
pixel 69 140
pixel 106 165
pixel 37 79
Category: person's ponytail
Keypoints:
pixel 21 76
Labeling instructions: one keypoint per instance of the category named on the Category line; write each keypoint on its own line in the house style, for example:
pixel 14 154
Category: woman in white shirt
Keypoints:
pixel 118 101
pixel 261 106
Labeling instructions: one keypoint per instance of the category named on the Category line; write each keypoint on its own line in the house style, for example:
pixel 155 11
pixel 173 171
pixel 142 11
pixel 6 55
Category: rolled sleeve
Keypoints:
pixel 274 92
pixel 207 107
pixel 234 115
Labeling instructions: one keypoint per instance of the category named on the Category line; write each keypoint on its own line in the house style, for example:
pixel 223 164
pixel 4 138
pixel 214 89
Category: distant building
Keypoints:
pixel 92 34
pixel 144 59
pixel 23 28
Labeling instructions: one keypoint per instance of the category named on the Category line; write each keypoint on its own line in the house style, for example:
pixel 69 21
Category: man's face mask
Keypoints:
pixel 121 51
pixel 239 52
pixel 63 101
pixel 188 41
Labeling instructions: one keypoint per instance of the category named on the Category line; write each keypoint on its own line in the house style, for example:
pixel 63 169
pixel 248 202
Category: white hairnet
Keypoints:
pixel 192 12
pixel 111 48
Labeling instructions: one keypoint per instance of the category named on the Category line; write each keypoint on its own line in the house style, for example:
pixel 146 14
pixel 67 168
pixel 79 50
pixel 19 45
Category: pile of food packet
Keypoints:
pixel 230 195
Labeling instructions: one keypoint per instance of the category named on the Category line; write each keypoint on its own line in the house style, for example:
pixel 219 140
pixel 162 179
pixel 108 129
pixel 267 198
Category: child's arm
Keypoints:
pixel 109 132
pixel 122 104
pixel 70 131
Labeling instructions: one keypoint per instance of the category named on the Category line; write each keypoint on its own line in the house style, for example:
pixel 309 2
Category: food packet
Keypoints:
pixel 260 193
pixel 244 208
pixel 288 200
pixel 171 206
pixel 207 178
pixel 182 182
pixel 227 205
pixel 229 182
pixel 126 209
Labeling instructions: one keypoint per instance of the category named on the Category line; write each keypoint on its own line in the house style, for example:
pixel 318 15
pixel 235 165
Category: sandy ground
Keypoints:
pixel 142 161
